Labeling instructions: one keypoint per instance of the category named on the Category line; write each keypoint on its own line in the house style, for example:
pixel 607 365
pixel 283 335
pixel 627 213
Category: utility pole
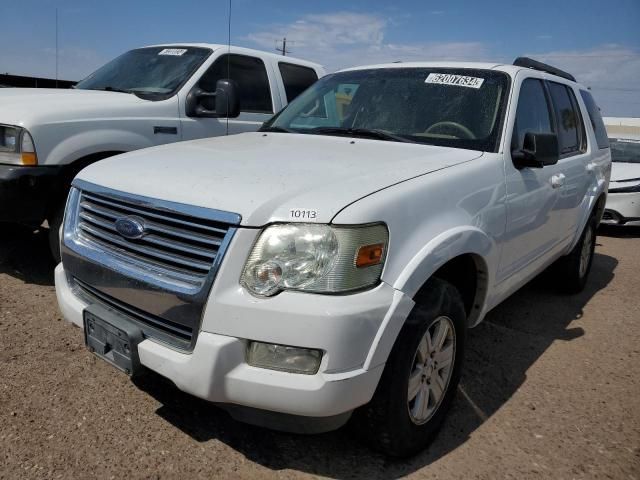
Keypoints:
pixel 283 50
pixel 56 47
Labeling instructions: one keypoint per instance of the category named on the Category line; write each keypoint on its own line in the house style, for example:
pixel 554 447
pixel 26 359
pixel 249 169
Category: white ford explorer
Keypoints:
pixel 329 265
pixel 145 97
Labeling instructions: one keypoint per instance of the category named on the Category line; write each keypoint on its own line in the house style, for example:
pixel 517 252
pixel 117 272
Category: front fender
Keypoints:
pixel 438 251
pixel 95 141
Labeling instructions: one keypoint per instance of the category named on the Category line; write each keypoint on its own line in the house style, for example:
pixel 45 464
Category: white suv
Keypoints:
pixel 331 263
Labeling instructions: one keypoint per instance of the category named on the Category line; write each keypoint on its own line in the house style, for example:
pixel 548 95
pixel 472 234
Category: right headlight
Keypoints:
pixel 16 146
pixel 315 258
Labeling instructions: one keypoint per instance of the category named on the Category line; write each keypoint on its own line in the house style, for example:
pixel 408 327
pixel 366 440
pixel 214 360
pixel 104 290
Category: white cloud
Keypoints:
pixel 344 39
pixel 611 71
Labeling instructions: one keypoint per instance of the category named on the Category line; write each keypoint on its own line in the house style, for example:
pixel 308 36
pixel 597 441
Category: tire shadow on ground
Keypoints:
pixel 619 231
pixel 500 351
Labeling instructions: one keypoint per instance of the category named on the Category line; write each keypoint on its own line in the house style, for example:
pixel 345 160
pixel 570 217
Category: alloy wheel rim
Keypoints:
pixel 585 253
pixel 431 370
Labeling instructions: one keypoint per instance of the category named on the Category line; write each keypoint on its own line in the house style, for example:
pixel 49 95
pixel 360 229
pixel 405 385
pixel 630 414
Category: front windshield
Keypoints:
pixel 152 71
pixel 625 150
pixel 460 108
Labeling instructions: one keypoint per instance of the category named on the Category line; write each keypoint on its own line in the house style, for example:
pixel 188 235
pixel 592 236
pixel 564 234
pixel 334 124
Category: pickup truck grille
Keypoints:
pixel 173 243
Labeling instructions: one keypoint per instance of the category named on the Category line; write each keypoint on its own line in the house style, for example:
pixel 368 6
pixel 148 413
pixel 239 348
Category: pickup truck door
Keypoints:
pixel 257 89
pixel 534 220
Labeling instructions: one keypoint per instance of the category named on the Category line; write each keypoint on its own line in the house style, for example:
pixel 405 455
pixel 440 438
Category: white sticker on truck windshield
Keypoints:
pixel 176 52
pixel 457 80
pixel 306 214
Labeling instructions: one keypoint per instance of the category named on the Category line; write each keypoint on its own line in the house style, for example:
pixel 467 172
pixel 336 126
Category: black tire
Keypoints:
pixel 55 221
pixel 386 423
pixel 570 276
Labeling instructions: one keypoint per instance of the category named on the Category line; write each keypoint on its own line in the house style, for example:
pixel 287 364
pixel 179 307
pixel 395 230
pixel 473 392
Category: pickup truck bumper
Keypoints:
pixel 27 193
pixel 216 370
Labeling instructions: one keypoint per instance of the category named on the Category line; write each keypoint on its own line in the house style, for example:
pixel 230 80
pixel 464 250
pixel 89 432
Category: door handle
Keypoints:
pixel 591 167
pixel 557 180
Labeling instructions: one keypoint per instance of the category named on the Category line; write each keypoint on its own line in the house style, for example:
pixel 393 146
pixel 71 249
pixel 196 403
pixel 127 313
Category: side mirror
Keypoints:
pixel 227 101
pixel 223 103
pixel 538 150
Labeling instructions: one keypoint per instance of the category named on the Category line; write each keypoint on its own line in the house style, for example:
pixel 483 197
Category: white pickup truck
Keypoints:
pixel 145 97
pixel 329 265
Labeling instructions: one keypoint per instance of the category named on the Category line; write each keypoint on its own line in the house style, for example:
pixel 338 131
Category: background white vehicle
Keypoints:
pixel 331 263
pixel 147 96
pixel 623 201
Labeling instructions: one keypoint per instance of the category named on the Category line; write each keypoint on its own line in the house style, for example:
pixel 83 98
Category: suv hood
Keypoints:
pixel 263 176
pixel 31 106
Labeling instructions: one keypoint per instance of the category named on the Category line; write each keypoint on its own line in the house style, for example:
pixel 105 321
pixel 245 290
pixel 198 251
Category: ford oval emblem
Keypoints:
pixel 130 227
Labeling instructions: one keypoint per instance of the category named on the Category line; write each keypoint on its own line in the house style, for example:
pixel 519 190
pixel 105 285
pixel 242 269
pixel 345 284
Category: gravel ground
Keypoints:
pixel 551 389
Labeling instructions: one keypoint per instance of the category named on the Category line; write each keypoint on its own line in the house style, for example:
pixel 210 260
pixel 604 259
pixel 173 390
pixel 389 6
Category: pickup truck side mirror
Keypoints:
pixel 538 150
pixel 225 101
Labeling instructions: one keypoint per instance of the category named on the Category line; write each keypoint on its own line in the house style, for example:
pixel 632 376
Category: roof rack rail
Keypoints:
pixel 530 63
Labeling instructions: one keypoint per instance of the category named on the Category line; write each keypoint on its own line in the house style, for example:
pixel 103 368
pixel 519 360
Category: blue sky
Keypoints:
pixel 598 41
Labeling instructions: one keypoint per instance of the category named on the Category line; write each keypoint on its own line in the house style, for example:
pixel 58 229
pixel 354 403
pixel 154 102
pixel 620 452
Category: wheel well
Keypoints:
pixel 468 273
pixel 68 173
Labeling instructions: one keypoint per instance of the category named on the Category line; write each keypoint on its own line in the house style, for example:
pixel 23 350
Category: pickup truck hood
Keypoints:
pixel 624 171
pixel 263 177
pixel 32 106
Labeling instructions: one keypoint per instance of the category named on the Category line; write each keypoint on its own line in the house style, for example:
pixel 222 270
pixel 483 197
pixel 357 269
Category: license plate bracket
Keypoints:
pixel 113 338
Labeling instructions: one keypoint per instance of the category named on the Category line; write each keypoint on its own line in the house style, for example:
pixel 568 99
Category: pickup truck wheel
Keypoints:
pixel 573 270
pixel 420 377
pixel 54 221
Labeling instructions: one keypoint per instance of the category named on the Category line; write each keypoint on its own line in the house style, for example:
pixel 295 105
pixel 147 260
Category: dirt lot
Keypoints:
pixel 551 390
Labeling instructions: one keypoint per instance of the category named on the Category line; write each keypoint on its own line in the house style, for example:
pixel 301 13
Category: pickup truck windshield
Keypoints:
pixel 153 71
pixel 625 150
pixel 460 108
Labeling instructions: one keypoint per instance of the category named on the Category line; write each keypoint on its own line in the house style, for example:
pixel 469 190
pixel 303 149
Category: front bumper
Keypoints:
pixel 28 193
pixel 216 369
pixel 622 209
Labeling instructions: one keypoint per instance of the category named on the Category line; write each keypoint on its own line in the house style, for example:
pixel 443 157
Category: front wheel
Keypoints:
pixel 420 378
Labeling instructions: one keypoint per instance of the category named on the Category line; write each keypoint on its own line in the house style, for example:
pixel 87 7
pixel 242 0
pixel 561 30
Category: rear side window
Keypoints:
pixel 533 114
pixel 596 119
pixel 296 79
pixel 251 76
pixel 568 118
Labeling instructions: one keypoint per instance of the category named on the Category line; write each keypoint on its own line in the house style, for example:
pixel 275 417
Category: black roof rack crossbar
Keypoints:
pixel 530 63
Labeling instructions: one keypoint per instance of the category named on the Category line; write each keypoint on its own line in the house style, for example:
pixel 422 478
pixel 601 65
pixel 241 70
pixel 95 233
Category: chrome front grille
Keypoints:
pixel 173 243
pixel 159 275
pixel 152 326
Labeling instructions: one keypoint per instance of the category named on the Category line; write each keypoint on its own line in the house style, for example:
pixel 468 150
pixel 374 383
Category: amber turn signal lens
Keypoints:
pixel 29 159
pixel 369 255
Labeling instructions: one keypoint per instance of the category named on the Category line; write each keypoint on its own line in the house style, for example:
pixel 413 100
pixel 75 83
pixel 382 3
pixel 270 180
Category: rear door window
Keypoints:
pixel 596 119
pixel 296 79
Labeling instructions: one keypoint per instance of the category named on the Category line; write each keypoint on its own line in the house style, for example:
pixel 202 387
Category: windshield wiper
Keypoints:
pixel 276 129
pixel 361 132
pixel 113 89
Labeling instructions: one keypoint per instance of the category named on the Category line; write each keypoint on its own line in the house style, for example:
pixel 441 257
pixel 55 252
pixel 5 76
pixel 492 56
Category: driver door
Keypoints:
pixel 533 229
